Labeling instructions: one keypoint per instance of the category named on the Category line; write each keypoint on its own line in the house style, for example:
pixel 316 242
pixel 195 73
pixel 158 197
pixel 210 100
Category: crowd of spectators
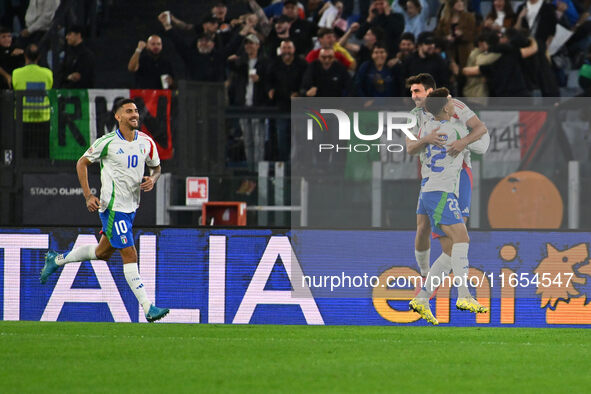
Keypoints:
pixel 446 39
pixel 27 24
pixel 320 48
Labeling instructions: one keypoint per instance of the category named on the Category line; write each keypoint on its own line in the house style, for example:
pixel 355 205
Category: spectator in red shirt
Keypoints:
pixel 327 40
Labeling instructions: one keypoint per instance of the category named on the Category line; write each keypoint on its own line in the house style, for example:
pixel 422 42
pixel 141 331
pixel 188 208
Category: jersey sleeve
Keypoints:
pixel 480 146
pixel 98 149
pixel 463 111
pixel 152 160
pixel 416 129
pixel 461 131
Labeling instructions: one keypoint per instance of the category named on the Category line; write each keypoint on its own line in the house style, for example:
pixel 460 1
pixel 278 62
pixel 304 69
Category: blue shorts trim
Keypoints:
pixel 120 227
pixel 441 207
pixel 465 191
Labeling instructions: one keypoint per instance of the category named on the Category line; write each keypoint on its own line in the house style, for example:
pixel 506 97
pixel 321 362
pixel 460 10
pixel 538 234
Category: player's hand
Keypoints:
pixel 456 147
pixel 17 51
pixel 435 138
pixel 147 184
pixel 92 203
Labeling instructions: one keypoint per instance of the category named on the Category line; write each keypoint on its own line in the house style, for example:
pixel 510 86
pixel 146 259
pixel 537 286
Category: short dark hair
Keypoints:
pixel 422 79
pixel 294 2
pixel 121 103
pixel 516 38
pixel 436 100
pixel 416 3
pixel 75 29
pixel 210 19
pixel 380 45
pixel 378 32
pixel 203 35
pixel 4 30
pixel 324 31
pixel 32 52
pixel 489 36
pixel 408 36
pixel 426 37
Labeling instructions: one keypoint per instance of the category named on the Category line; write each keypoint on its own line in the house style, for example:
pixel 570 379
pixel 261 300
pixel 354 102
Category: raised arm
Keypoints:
pixel 179 24
pixel 352 29
pixel 181 47
pixel 264 22
pixel 134 62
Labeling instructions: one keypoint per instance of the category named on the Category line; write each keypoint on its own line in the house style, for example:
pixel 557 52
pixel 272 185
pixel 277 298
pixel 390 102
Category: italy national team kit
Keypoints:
pixel 122 170
pixel 446 186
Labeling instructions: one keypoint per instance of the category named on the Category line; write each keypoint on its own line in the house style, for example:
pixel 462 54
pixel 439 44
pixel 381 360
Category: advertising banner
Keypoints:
pixel 332 277
pixel 57 199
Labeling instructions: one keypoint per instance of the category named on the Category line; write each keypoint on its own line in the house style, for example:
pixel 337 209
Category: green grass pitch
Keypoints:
pixel 45 357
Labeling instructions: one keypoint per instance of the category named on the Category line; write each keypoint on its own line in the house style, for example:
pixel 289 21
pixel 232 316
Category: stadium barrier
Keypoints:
pixel 264 276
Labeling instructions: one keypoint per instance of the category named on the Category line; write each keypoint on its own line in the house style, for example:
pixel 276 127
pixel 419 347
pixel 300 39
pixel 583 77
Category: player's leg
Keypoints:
pixel 420 303
pixel 132 275
pixel 122 239
pixel 134 280
pixel 460 265
pixel 458 235
pixel 54 260
pixel 439 270
pixel 423 243
pixel 436 204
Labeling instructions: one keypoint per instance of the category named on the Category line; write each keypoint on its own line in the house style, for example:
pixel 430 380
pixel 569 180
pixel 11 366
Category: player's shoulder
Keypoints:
pixel 459 104
pixel 419 111
pixel 105 138
pixel 432 124
pixel 461 107
pixel 143 136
